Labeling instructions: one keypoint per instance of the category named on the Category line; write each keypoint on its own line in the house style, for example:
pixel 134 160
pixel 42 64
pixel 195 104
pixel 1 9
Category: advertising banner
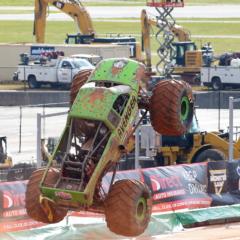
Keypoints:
pixel 37 50
pixel 13 216
pixel 224 182
pixel 191 186
pixel 178 187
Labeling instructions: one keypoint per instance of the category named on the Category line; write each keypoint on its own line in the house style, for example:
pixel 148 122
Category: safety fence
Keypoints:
pixel 182 187
pixel 19 125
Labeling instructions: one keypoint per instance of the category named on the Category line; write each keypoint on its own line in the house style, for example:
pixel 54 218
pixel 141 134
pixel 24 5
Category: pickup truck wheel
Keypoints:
pixel 217 84
pixel 46 211
pixel 79 79
pixel 32 82
pixel 171 107
pixel 210 155
pixel 128 207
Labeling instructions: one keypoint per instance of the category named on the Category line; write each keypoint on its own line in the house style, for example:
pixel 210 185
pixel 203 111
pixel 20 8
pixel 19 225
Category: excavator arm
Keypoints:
pixel 73 8
pixel 40 15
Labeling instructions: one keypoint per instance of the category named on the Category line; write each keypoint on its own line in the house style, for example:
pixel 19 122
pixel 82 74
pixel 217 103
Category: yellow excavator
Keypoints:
pixel 73 8
pixel 187 61
pixel 86 33
pixel 5 160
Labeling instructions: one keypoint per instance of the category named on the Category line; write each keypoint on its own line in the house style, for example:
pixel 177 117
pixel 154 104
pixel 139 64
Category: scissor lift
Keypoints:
pixel 164 36
pixel 166 3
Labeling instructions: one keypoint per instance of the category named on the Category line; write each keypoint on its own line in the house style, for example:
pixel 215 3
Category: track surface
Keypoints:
pixel 99 231
pixel 209 11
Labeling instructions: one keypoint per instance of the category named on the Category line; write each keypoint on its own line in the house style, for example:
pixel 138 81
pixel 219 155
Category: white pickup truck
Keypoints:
pixel 219 77
pixel 57 72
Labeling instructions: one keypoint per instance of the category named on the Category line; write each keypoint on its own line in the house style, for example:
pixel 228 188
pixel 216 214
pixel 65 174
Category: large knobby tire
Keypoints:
pixel 171 107
pixel 210 155
pixel 128 207
pixel 34 208
pixel 79 79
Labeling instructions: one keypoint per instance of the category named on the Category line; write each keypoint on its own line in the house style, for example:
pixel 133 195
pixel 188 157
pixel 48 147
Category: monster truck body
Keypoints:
pixel 98 125
pixel 99 128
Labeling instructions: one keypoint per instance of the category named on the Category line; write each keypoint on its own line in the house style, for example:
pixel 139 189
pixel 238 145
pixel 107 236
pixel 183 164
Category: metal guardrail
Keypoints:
pixel 18 172
pixel 39 130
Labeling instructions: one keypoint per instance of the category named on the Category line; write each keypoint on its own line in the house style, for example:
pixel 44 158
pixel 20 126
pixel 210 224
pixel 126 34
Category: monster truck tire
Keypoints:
pixel 128 207
pixel 209 155
pixel 171 107
pixel 33 206
pixel 79 79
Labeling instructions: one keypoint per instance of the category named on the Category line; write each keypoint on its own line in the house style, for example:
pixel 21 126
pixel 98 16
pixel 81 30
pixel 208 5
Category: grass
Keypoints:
pixel 13 86
pixel 118 3
pixel 56 32
pixel 213 28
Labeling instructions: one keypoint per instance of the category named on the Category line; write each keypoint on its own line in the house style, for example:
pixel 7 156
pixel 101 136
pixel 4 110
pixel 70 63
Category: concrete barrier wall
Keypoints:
pixel 215 100
pixel 9 54
pixel 209 100
pixel 21 98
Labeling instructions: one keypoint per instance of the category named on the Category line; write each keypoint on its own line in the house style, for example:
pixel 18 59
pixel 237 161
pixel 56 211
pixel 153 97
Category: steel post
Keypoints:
pixel 39 154
pixel 137 151
pixel 230 152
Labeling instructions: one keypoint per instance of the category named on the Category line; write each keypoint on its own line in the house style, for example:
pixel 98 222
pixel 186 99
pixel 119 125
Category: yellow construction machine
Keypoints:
pixel 74 9
pixel 5 160
pixel 187 60
pixel 195 146
pixel 86 33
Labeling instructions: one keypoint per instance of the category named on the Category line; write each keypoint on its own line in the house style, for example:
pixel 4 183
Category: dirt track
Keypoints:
pixel 216 232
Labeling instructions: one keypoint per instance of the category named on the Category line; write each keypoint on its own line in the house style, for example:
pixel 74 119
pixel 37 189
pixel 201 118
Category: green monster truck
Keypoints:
pixel 99 129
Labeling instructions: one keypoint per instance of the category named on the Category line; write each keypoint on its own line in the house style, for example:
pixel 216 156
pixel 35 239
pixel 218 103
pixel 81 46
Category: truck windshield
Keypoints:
pixel 78 63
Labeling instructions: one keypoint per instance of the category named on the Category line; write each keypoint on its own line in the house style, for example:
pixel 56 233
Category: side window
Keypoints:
pixel 120 103
pixel 66 64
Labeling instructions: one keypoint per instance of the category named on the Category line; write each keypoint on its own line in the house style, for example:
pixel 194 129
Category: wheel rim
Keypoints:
pixel 216 85
pixel 141 209
pixel 30 84
pixel 185 108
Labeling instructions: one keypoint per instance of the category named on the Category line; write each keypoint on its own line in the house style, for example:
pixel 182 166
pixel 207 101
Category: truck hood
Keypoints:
pixel 96 103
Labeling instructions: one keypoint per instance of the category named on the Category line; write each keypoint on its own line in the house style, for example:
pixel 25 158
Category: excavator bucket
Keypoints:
pixel 165 3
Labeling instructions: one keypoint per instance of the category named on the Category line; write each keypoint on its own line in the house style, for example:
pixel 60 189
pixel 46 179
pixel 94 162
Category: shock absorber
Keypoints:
pixel 164 35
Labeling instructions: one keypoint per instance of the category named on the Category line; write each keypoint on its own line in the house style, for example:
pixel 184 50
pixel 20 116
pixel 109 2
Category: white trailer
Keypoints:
pixel 59 72
pixel 219 77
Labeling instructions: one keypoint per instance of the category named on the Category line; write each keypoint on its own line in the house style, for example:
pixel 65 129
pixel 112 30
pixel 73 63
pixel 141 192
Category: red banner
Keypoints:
pixel 173 188
pixel 13 216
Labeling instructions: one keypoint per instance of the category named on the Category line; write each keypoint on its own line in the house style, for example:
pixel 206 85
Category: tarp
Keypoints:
pixel 89 228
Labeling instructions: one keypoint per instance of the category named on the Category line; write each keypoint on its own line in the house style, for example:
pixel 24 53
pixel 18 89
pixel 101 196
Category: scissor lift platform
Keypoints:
pixel 165 3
